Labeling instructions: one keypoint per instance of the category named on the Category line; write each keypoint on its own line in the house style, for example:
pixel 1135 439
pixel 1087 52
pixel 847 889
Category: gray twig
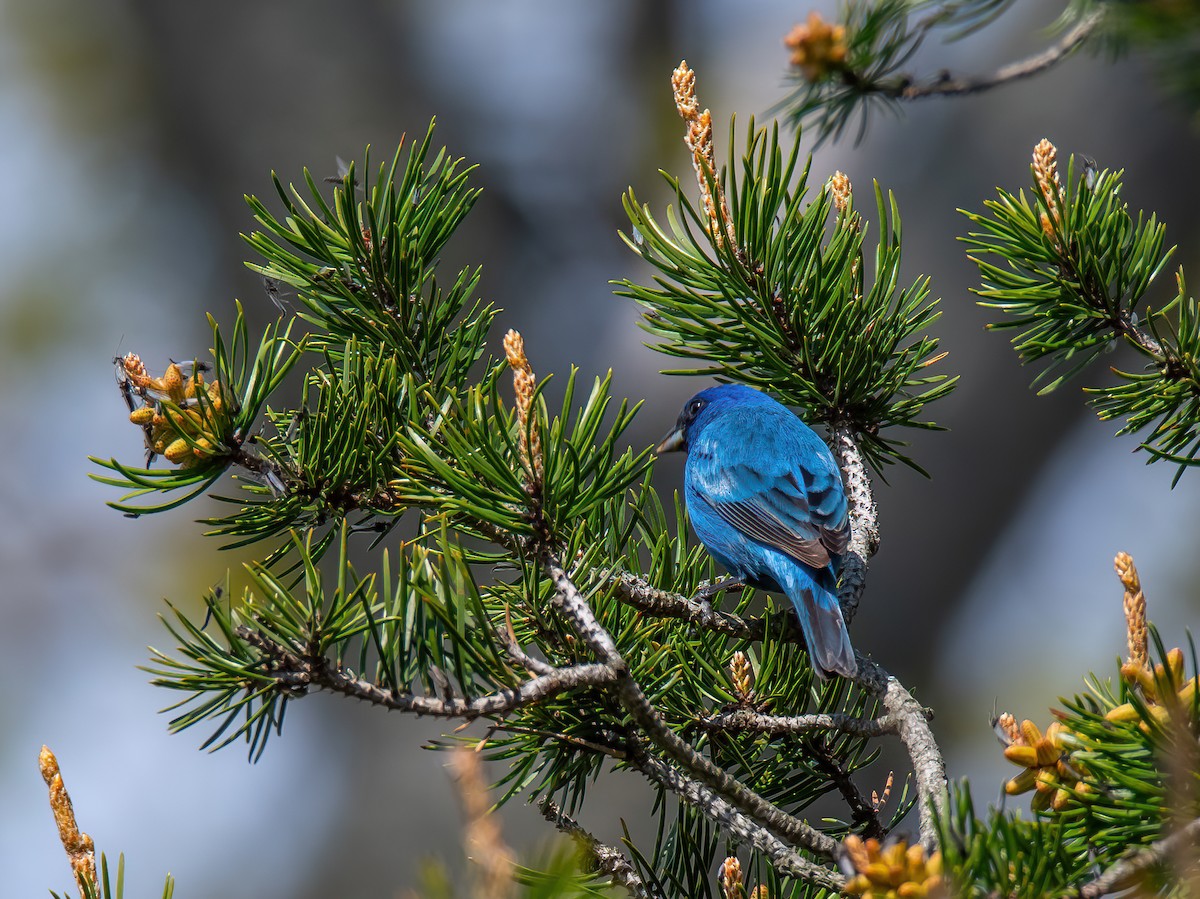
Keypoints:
pixel 644 596
pixel 297 673
pixel 910 718
pixel 1124 872
pixel 605 859
pixel 946 86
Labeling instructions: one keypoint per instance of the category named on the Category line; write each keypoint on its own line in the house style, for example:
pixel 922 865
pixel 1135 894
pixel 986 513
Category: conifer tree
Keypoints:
pixel 529 575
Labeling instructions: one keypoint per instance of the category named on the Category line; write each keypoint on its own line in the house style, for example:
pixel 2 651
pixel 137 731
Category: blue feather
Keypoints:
pixel 765 497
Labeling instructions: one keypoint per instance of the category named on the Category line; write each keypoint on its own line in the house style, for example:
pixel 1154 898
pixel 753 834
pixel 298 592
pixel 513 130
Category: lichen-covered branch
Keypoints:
pixel 604 858
pixel 579 614
pixel 297 673
pixel 787 861
pixel 750 721
pixel 912 726
pixel 647 598
pixel 864 521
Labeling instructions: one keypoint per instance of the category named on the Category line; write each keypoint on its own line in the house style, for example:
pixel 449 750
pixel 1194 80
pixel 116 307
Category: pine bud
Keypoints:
pixel 731 879
pixel 1135 610
pixel 743 676
pixel 698 136
pixel 1045 173
pixel 529 443
pixel 81 852
pixel 840 190
pixel 818 48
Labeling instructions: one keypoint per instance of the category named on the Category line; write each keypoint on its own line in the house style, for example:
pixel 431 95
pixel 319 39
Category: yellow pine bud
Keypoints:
pixel 1030 733
pixel 172 383
pixel 1022 783
pixel 1025 756
pixel 177 450
pixel 1175 663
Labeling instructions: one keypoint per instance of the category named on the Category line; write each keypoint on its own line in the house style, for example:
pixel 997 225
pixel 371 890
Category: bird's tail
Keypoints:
pixel 816 603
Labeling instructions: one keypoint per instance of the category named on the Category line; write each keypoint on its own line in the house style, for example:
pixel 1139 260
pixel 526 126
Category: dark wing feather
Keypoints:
pixel 771 497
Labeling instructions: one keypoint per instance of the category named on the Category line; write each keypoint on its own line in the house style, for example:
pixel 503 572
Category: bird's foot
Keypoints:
pixel 703 597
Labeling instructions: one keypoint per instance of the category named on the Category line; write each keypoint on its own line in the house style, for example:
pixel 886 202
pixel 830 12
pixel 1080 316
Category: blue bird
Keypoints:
pixel 765 497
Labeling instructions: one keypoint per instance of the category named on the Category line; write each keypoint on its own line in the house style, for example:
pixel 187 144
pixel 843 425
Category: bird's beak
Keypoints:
pixel 672 443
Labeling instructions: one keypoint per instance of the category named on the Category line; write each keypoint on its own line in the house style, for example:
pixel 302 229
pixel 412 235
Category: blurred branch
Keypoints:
pixel 946 85
pixel 493 874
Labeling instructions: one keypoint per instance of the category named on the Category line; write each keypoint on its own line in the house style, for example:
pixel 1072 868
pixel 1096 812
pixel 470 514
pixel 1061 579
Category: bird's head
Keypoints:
pixel 703 408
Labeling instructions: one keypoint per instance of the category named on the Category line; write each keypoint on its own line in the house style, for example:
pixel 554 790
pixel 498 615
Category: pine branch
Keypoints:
pixel 843 70
pixel 1125 872
pixel 745 828
pixel 296 674
pixel 912 726
pixel 946 85
pixel 750 721
pixel 644 596
pixel 863 813
pixel 578 613
pixel 1071 267
pixel 864 521
pixel 773 293
pixel 603 858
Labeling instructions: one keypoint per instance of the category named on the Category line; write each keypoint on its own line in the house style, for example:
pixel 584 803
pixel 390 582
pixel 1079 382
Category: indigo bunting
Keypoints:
pixel 765 497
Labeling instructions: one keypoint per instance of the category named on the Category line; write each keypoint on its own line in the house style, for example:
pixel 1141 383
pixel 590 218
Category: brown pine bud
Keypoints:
pixel 1135 610
pixel 839 189
pixel 743 676
pixel 529 443
pixel 731 879
pixel 81 852
pixel 1045 173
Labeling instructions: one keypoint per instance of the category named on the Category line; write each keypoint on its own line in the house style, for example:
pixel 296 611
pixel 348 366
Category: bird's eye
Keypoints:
pixel 695 406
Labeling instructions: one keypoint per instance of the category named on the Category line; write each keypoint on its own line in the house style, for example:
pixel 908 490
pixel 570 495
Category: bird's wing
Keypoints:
pixel 779 494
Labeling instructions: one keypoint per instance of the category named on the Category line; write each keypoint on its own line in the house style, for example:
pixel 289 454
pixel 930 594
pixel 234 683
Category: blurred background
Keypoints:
pixel 129 132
